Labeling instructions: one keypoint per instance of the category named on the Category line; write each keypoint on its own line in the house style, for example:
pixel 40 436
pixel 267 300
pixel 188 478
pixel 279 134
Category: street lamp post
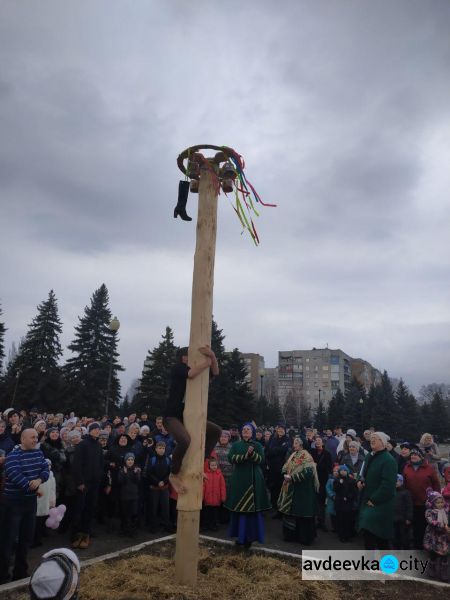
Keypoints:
pixel 114 327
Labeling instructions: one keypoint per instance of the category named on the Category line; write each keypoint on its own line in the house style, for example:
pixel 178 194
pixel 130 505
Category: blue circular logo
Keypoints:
pixel 389 564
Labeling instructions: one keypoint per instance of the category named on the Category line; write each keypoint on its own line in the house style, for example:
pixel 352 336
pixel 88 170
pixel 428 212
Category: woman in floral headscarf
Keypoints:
pixel 298 497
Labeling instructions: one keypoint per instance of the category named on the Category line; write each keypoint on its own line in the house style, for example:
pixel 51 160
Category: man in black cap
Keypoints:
pixel 87 470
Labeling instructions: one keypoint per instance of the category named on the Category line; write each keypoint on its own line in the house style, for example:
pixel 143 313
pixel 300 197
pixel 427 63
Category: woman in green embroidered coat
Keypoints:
pixel 248 494
pixel 298 497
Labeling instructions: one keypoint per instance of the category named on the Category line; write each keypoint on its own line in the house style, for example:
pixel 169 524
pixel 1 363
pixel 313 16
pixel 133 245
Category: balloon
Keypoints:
pixel 55 516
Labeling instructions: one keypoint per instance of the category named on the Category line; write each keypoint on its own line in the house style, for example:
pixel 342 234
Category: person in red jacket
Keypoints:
pixel 214 494
pixel 418 475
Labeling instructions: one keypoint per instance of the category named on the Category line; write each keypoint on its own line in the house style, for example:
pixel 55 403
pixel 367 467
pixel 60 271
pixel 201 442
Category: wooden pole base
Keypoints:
pixel 186 552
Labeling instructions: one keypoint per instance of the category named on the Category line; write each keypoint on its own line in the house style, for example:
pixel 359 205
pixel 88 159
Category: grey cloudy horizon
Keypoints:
pixel 341 111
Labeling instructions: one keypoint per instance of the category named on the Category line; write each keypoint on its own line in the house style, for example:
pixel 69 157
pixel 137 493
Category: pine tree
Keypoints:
pixel 95 360
pixel 353 407
pixel 439 422
pixel 425 418
pixel 2 343
pixel 125 407
pixel 220 404
pixel 386 415
pixel 320 417
pixel 154 384
pixel 335 413
pixel 408 424
pixel 33 377
pixel 241 399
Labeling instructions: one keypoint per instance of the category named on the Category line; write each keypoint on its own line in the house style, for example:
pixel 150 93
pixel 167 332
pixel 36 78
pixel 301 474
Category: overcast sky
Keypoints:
pixel 341 110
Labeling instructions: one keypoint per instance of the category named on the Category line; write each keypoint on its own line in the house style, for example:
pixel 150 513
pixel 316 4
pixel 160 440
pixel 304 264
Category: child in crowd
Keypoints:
pixel 437 534
pixel 128 481
pixel 214 494
pixel 45 501
pixel 157 476
pixel 346 492
pixel 331 494
pixel 403 514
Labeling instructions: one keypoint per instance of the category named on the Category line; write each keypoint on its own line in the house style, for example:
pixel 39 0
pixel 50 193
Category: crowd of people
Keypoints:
pixel 117 472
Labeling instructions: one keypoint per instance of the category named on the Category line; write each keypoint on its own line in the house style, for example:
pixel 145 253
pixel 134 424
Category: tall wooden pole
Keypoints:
pixel 196 404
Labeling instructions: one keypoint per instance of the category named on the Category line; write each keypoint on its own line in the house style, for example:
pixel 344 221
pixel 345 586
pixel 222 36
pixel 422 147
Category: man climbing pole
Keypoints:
pixel 173 414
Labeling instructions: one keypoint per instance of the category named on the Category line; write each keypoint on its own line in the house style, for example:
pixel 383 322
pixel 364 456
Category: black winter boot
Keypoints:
pixel 180 209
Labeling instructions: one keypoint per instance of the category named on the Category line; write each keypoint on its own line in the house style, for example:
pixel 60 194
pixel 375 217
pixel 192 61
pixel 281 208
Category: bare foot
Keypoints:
pixel 177 483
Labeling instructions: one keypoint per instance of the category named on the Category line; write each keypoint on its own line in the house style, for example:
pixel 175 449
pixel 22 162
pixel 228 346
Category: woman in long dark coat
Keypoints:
pixel 247 494
pixel 377 485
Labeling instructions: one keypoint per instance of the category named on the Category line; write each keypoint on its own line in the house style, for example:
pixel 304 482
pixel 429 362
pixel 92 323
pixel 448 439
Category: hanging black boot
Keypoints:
pixel 180 209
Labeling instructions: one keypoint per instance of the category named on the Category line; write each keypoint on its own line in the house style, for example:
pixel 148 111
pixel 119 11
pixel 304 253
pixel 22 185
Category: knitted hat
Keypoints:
pixel 417 451
pixel 144 429
pixel 9 412
pixel 405 445
pixel 248 424
pixel 351 433
pixel 344 468
pixel 432 496
pixel 104 434
pixel 56 577
pixel 50 430
pixel 382 436
pixel 129 455
pixel 93 426
pixel 38 423
pixel 74 433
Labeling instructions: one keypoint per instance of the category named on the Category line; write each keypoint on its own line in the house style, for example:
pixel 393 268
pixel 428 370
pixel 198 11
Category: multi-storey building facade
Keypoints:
pixel 255 369
pixel 307 376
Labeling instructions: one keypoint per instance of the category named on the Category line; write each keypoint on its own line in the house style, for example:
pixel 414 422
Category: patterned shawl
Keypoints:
pixel 298 462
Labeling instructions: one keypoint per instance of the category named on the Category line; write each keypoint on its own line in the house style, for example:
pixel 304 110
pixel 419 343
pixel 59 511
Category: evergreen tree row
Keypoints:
pixel 397 413
pixel 34 376
pixel 230 398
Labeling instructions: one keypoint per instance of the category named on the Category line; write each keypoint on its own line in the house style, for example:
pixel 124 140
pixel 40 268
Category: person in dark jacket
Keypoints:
pixel 6 442
pixel 53 449
pixel 276 454
pixel 87 471
pixel 403 515
pixel 331 444
pixel 129 477
pixel 157 478
pixel 14 426
pixel 403 459
pixel 345 489
pixel 324 465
